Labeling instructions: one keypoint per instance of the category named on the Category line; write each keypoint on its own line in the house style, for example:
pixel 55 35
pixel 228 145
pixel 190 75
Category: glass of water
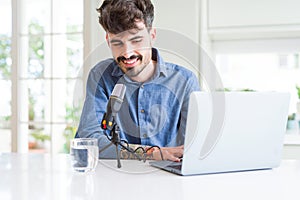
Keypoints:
pixel 84 154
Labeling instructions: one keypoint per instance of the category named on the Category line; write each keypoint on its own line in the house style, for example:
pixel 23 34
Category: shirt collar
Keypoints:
pixel 116 72
pixel 160 64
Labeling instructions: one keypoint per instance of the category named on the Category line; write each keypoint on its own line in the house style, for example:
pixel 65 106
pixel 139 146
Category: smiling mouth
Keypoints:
pixel 129 61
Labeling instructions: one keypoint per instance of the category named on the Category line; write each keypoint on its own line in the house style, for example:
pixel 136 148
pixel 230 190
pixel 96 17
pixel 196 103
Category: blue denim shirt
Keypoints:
pixel 152 113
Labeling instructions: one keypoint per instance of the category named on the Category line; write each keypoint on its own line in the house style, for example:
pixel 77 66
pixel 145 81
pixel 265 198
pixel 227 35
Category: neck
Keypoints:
pixel 146 74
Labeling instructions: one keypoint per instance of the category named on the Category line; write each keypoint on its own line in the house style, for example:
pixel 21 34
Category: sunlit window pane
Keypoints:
pixel 5 19
pixel 261 72
pixel 67 55
pixel 62 134
pixel 75 94
pixel 36 56
pixel 5 75
pixel 5 56
pixel 39 137
pixel 5 116
pixel 68 16
pixel 59 100
pixel 74 55
pixel 5 100
pixel 37 95
pixel 37 12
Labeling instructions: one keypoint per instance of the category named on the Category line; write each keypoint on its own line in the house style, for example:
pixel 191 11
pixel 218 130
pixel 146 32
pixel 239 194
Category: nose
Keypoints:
pixel 128 51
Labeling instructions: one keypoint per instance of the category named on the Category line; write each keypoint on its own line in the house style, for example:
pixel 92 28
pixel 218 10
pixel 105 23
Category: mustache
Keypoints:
pixel 122 58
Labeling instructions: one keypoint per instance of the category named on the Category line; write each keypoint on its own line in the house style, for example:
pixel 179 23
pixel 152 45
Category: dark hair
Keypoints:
pixel 117 16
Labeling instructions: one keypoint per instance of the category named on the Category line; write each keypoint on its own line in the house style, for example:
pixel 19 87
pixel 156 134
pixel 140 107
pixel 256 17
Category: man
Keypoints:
pixel 155 105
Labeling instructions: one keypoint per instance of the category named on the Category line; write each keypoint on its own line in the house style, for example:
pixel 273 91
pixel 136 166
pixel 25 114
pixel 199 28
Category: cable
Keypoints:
pixel 145 152
pixel 155 146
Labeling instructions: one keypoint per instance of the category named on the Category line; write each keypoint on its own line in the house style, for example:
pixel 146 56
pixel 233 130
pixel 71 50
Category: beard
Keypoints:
pixel 134 70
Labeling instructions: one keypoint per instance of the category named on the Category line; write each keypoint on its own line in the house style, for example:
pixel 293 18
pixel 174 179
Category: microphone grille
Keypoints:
pixel 119 91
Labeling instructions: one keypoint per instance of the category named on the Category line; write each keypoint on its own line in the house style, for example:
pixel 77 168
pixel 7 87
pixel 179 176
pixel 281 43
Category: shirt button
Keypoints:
pixel 145 135
pixel 142 86
pixel 142 111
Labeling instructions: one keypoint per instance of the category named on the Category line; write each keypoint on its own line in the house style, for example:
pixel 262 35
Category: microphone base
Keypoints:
pixel 115 140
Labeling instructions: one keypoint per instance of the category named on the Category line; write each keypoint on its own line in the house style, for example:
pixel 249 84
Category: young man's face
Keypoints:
pixel 132 49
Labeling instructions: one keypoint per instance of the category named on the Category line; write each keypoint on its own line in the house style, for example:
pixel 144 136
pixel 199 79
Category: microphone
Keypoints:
pixel 114 105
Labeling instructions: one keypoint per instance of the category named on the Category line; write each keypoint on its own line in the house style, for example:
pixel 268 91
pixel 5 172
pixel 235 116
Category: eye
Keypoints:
pixel 116 44
pixel 137 41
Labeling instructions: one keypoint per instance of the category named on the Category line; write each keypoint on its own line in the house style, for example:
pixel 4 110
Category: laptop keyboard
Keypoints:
pixel 176 166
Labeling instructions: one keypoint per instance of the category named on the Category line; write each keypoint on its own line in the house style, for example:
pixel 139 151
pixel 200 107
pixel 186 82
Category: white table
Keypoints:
pixel 42 176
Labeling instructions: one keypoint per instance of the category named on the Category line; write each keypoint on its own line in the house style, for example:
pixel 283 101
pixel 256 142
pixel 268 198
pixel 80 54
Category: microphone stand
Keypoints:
pixel 115 140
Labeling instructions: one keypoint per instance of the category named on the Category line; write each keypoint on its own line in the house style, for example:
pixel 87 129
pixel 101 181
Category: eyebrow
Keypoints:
pixel 131 39
pixel 136 37
pixel 115 41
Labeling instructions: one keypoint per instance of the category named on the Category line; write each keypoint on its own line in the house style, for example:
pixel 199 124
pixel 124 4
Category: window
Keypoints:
pixel 49 37
pixel 5 75
pixel 261 72
pixel 51 43
pixel 263 65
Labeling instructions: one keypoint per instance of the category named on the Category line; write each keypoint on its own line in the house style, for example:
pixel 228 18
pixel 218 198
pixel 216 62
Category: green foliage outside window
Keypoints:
pixel 5 70
pixel 298 91
pixel 5 65
pixel 36 50
pixel 72 117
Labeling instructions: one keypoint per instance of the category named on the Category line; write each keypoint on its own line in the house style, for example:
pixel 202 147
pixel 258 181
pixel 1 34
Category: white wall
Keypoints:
pixel 239 19
pixel 241 13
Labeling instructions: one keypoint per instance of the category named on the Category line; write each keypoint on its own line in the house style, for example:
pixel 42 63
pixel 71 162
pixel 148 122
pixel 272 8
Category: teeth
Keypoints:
pixel 130 61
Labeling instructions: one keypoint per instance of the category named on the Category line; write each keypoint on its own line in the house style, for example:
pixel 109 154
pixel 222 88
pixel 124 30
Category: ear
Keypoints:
pixel 153 35
pixel 107 39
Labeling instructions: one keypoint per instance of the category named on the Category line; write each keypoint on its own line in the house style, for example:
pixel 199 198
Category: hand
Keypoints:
pixel 169 153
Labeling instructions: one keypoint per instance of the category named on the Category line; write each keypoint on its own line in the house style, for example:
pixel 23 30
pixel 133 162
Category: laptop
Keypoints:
pixel 231 132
